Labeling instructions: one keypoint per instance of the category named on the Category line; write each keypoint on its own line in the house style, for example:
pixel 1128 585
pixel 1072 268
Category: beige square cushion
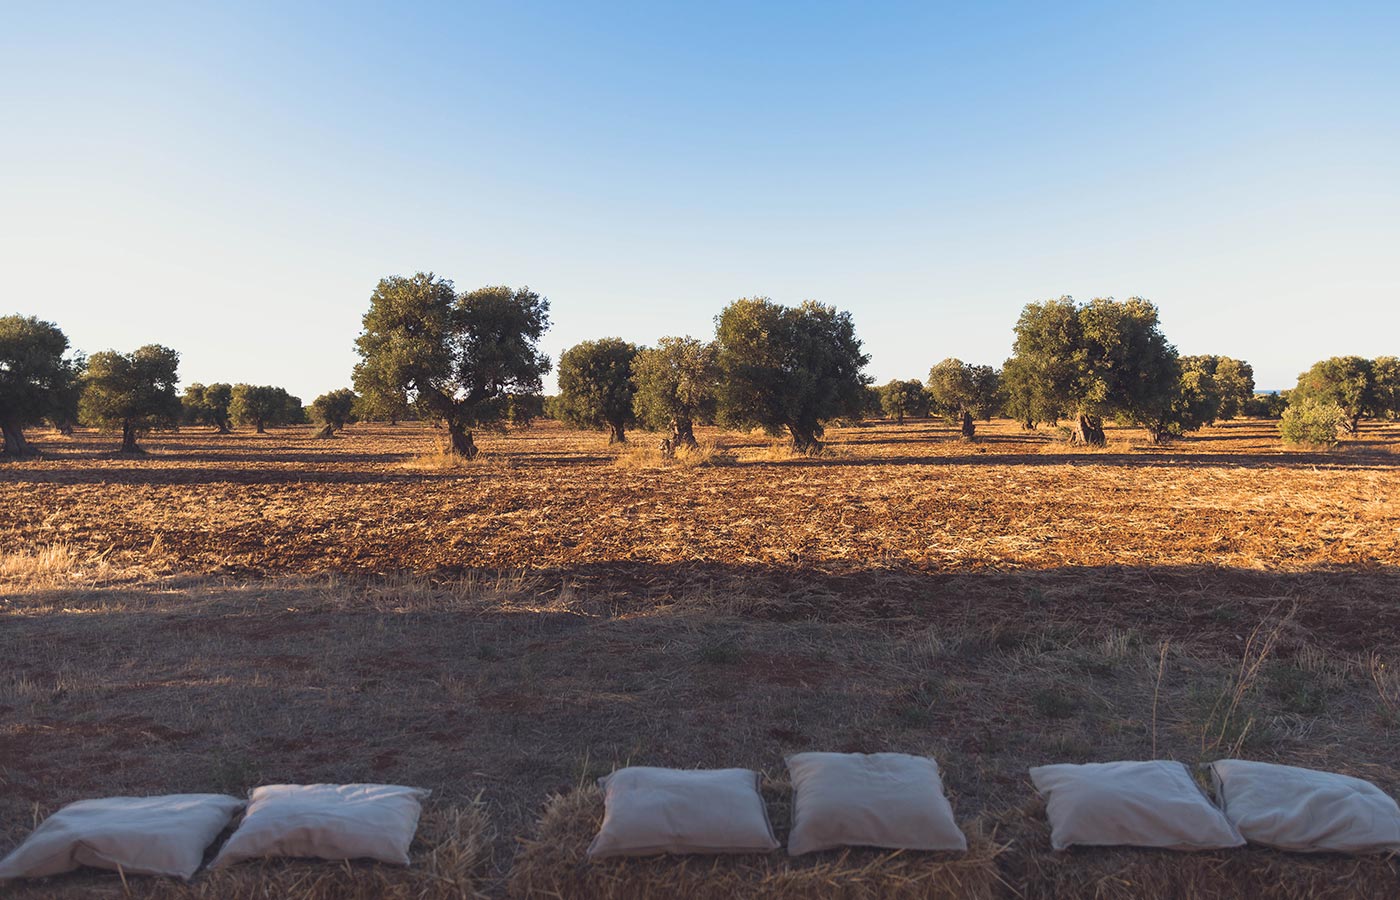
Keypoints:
pixel 1139 804
pixel 1306 810
pixel 136 835
pixel 650 811
pixel 888 800
pixel 327 821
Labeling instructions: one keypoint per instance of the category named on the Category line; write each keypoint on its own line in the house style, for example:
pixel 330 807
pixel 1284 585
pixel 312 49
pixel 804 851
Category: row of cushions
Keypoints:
pixel 895 801
pixel 887 800
pixel 1157 804
pixel 168 835
pixel 840 799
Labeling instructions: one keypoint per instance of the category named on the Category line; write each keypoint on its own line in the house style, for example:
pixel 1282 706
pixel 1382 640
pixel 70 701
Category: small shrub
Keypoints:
pixel 1312 424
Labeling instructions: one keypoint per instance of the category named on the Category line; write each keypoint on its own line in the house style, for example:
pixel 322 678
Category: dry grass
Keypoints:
pixel 450 854
pixel 649 456
pixel 552 863
pixel 230 611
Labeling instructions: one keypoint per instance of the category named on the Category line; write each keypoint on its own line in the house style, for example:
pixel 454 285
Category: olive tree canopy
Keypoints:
pixel 134 392
pixel 595 386
pixel 264 405
pixel 334 410
pixel 900 398
pixel 37 380
pixel 208 404
pixel 791 368
pixel 1101 359
pixel 458 358
pixel 677 383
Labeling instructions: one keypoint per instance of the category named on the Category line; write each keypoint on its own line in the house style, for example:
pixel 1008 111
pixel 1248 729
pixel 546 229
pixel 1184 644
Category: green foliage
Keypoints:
pixel 596 388
pixel 37 379
pixel 1385 373
pixel 1312 423
pixel 1266 406
pixel 1348 382
pixel 458 359
pixel 522 409
pixel 1096 360
pixel 788 368
pixel 1026 395
pixel 132 391
pixel 677 385
pixel 264 405
pixel 956 387
pixel 335 409
pixel 1234 383
pixel 903 398
pixel 208 405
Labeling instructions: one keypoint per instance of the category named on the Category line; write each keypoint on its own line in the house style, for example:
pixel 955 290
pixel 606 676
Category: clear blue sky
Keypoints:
pixel 232 180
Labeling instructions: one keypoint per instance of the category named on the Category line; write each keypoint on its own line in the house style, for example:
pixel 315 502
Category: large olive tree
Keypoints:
pixel 208 404
pixel 264 405
pixel 899 398
pixel 595 386
pixel 963 392
pixel 1101 359
pixel 1347 381
pixel 458 358
pixel 133 392
pixel 791 368
pixel 676 383
pixel 37 379
pixel 334 410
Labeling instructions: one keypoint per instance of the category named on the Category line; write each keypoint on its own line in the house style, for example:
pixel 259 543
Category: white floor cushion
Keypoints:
pixel 1139 804
pixel 136 835
pixel 650 811
pixel 889 800
pixel 1306 810
pixel 327 821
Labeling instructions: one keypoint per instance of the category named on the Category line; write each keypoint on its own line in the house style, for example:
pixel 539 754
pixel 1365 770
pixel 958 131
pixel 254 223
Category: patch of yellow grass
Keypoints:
pixel 48 566
pixel 649 456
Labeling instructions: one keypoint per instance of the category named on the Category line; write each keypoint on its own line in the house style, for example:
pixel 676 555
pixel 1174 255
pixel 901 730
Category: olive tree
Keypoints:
pixel 37 379
pixel 964 392
pixel 900 398
pixel 1348 382
pixel 334 410
pixel 134 392
pixel 596 388
pixel 1209 389
pixel 677 383
pixel 791 368
pixel 1385 371
pixel 1025 393
pixel 1101 359
pixel 264 405
pixel 458 358
pixel 208 404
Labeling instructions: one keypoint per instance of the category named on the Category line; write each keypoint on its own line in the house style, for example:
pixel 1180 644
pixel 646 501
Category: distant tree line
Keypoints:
pixel 471 360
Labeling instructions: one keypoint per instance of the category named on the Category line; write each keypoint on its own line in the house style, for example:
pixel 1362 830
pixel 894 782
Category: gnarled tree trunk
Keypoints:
pixel 1088 430
pixel 805 439
pixel 969 429
pixel 899 417
pixel 223 427
pixel 326 431
pixel 617 434
pixel 459 441
pixel 15 442
pixel 129 438
pixel 683 434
